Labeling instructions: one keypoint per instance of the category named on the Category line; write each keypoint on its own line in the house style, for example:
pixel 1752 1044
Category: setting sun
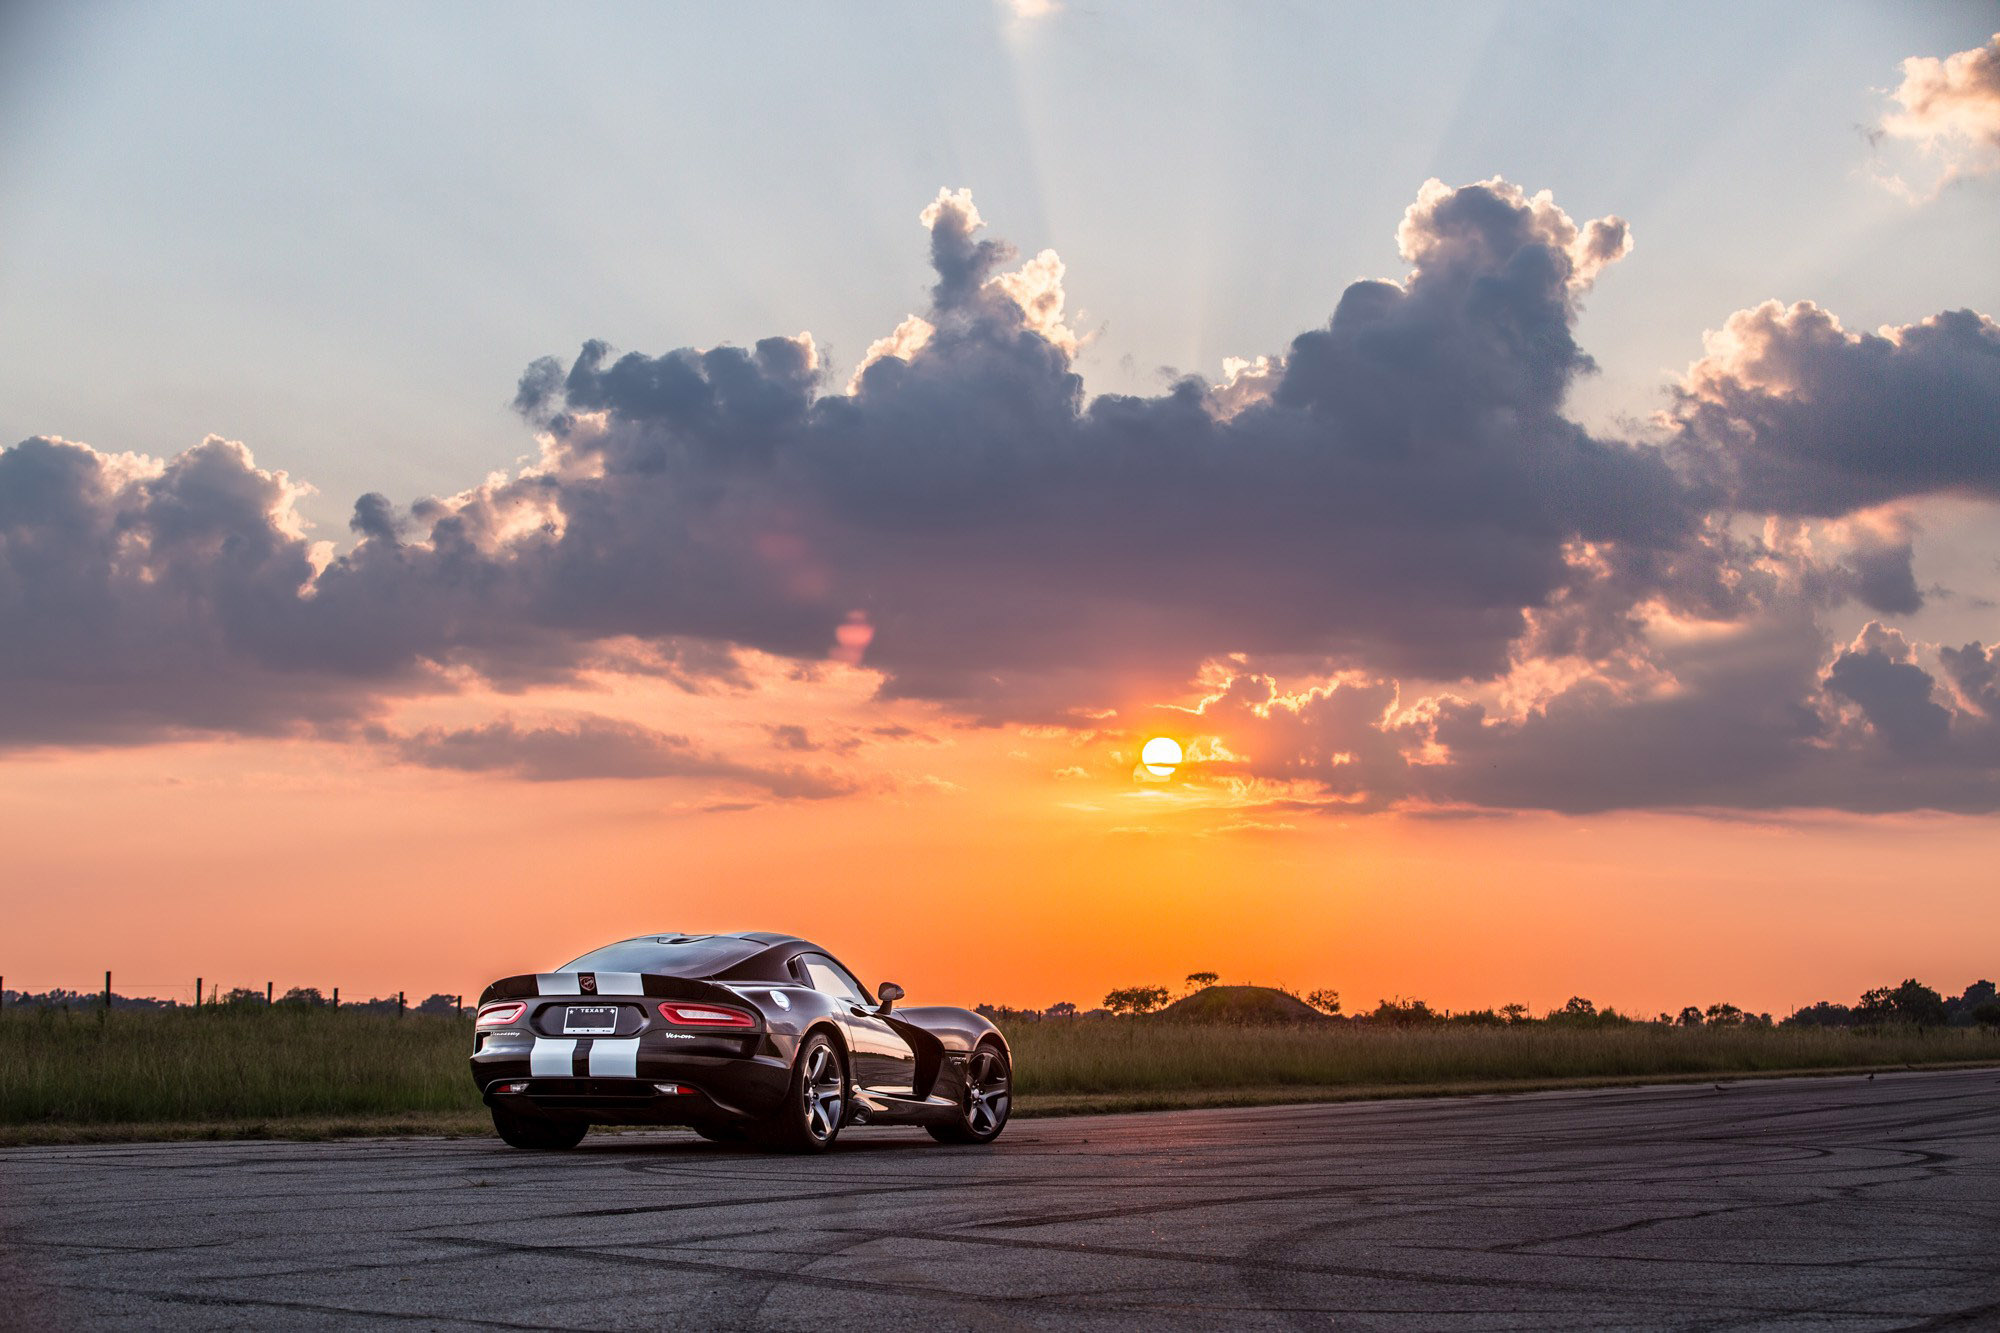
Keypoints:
pixel 1161 756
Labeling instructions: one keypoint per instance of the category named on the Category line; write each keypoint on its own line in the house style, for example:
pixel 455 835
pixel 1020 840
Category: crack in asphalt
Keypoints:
pixel 304 1307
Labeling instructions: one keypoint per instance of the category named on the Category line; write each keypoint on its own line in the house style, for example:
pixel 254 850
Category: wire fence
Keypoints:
pixel 202 992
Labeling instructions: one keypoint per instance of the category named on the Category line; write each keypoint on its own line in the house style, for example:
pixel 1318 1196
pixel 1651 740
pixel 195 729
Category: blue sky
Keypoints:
pixel 1470 628
pixel 338 233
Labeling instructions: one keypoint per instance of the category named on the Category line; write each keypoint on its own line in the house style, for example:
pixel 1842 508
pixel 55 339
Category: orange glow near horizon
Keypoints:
pixel 1008 865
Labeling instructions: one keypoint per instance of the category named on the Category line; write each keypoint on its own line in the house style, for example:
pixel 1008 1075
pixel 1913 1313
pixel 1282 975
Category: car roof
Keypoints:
pixel 770 960
pixel 766 937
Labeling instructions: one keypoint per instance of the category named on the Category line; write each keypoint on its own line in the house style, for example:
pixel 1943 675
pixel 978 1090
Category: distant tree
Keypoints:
pixel 1978 993
pixel 1514 1013
pixel 1875 1006
pixel 1324 1000
pixel 1958 1012
pixel 1136 999
pixel 439 1004
pixel 1724 1016
pixel 1001 1013
pixel 58 998
pixel 1576 1009
pixel 1824 1014
pixel 1404 1013
pixel 1197 980
pixel 1912 1002
pixel 1987 1015
pixel 141 1002
pixel 1690 1017
pixel 1478 1018
pixel 303 997
pixel 1061 1009
pixel 244 995
pixel 1917 1004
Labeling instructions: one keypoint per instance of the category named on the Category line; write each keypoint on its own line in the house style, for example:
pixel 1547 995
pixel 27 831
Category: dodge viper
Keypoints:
pixel 751 1037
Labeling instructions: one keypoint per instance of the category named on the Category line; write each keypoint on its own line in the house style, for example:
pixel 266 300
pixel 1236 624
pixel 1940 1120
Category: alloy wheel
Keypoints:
pixel 988 1093
pixel 824 1091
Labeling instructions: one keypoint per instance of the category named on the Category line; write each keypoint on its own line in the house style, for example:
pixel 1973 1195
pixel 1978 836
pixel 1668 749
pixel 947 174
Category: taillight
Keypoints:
pixel 500 1015
pixel 705 1016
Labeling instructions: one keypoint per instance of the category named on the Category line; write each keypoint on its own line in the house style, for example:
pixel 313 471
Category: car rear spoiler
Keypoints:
pixel 616 985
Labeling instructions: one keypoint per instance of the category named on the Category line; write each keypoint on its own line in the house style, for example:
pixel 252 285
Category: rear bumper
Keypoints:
pixel 707 1087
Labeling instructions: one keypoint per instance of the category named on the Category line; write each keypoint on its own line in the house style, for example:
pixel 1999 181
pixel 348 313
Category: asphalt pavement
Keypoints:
pixel 1828 1203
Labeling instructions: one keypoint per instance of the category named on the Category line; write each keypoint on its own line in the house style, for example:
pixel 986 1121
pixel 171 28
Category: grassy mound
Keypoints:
pixel 1248 1005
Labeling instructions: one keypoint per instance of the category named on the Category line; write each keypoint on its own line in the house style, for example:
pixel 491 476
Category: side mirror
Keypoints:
pixel 888 992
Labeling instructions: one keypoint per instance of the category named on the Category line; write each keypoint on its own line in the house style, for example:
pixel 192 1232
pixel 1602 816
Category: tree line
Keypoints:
pixel 1910 1004
pixel 240 998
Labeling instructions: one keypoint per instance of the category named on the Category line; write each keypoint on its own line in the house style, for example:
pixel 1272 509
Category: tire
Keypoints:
pixel 989 1099
pixel 808 1120
pixel 537 1133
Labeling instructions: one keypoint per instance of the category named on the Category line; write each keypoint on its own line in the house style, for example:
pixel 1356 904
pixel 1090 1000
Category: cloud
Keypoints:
pixel 594 748
pixel 1406 489
pixel 1752 717
pixel 1884 575
pixel 1950 110
pixel 1975 670
pixel 140 599
pixel 1799 415
pixel 1409 576
pixel 1879 672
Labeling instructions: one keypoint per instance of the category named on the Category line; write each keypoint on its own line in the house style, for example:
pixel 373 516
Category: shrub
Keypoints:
pixel 1136 999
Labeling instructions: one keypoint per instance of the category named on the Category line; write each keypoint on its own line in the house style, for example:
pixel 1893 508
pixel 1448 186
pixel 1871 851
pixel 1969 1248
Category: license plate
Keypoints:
pixel 590 1020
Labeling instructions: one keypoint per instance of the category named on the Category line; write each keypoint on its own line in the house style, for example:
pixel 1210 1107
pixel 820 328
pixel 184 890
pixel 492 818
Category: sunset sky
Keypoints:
pixel 489 480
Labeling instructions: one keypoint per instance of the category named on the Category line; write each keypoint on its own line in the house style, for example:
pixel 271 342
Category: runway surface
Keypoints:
pixel 1838 1203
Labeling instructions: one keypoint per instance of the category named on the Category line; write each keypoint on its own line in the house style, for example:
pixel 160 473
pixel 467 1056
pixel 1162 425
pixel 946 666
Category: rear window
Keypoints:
pixel 667 955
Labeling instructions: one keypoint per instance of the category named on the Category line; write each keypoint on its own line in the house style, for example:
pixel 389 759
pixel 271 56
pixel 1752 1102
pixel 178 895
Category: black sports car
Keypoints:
pixel 750 1037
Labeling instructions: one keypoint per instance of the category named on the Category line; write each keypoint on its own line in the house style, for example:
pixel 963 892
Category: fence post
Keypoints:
pixel 3 992
pixel 107 992
pixel 458 1004
pixel 336 997
pixel 197 992
pixel 399 1004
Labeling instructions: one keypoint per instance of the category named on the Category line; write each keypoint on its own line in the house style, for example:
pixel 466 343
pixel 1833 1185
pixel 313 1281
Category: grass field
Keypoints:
pixel 231 1066
pixel 1135 1056
pixel 255 1072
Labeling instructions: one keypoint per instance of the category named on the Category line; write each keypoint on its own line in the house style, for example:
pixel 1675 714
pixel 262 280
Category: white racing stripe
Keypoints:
pixel 620 983
pixel 557 983
pixel 552 1056
pixel 615 1057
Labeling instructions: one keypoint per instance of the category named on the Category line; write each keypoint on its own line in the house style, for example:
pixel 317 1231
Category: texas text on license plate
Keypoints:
pixel 589 1020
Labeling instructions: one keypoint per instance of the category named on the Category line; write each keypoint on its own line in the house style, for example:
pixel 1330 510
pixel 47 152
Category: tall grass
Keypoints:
pixel 248 1064
pixel 228 1063
pixel 1127 1055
